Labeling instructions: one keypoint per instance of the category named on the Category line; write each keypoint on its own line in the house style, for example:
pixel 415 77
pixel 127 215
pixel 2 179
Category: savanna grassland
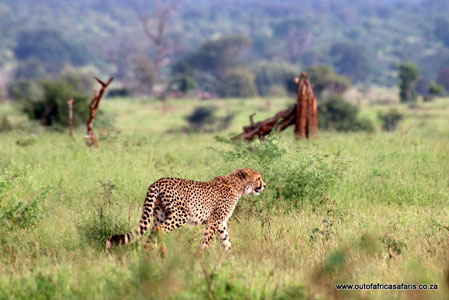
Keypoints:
pixel 341 208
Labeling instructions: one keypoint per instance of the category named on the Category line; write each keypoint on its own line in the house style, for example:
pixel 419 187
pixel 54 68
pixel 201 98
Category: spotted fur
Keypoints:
pixel 173 202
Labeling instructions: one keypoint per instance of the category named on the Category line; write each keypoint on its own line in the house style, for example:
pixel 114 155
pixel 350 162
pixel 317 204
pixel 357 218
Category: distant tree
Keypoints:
pixel 212 64
pixel 443 78
pixel 276 73
pixel 49 48
pixel 296 35
pixel 182 77
pixel 155 26
pixel 441 30
pixel 326 81
pixel 144 74
pixel 30 68
pixel 408 75
pixel 422 86
pixel 218 56
pixel 238 83
pixel 351 60
pixel 435 90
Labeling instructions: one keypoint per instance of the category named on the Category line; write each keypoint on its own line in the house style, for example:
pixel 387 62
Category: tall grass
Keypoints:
pixel 343 208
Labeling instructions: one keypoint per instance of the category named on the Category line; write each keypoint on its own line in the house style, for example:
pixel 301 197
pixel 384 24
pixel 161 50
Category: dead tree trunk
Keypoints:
pixel 304 115
pixel 307 114
pixel 94 103
pixel 70 104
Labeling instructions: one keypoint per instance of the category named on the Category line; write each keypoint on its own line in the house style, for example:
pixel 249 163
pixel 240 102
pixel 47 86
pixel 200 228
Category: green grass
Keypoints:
pixel 373 208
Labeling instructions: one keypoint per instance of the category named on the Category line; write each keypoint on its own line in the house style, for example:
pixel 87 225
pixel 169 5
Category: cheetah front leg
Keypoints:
pixel 224 236
pixel 211 229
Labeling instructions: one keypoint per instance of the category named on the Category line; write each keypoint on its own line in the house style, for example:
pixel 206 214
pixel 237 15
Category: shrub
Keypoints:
pixel 270 76
pixel 390 120
pixel 325 81
pixel 335 113
pixel 422 86
pixel 292 175
pixel 100 224
pixel 443 78
pixel 435 90
pixel 238 83
pixel 277 91
pixel 21 214
pixel 408 75
pixel 203 119
pixel 46 101
pixel 80 78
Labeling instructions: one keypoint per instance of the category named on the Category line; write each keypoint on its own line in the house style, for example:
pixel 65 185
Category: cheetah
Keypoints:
pixel 174 202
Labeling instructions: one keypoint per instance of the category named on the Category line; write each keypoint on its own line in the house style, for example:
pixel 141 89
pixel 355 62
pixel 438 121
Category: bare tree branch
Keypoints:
pixel 70 104
pixel 94 103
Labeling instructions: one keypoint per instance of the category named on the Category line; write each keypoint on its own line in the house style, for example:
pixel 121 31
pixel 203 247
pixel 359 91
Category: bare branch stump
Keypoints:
pixel 94 103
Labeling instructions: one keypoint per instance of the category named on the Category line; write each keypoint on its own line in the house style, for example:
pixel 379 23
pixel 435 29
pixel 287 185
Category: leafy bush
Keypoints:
pixel 238 83
pixel 80 78
pixel 408 75
pixel 46 100
pixel 277 91
pixel 443 78
pixel 19 213
pixel 435 90
pixel 100 224
pixel 325 81
pixel 22 214
pixel 335 113
pixel 273 75
pixel 5 125
pixel 293 176
pixel 390 120
pixel 203 119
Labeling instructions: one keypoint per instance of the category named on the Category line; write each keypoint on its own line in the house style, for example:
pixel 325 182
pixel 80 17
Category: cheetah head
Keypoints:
pixel 252 179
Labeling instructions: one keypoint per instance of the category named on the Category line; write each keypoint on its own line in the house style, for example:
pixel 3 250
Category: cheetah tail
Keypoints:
pixel 147 213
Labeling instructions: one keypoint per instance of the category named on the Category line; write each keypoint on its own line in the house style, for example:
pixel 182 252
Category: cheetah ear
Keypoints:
pixel 241 174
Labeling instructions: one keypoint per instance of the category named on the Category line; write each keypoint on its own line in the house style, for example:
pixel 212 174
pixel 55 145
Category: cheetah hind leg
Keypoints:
pixel 173 221
pixel 159 216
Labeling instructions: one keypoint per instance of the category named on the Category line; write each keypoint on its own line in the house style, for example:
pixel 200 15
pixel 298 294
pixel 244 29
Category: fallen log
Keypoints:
pixel 304 115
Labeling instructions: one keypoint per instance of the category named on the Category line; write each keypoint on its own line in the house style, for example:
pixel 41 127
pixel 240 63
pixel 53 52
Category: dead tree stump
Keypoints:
pixel 307 113
pixel 70 104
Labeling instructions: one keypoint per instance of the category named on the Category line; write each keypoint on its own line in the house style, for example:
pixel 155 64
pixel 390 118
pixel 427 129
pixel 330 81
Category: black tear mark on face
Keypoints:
pixel 241 174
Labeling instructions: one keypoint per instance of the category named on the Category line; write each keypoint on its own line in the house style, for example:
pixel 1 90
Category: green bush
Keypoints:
pixel 273 75
pixel 325 81
pixel 46 101
pixel 203 119
pixel 435 90
pixel 335 113
pixel 390 120
pixel 408 75
pixel 238 83
pixel 16 212
pixel 293 176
